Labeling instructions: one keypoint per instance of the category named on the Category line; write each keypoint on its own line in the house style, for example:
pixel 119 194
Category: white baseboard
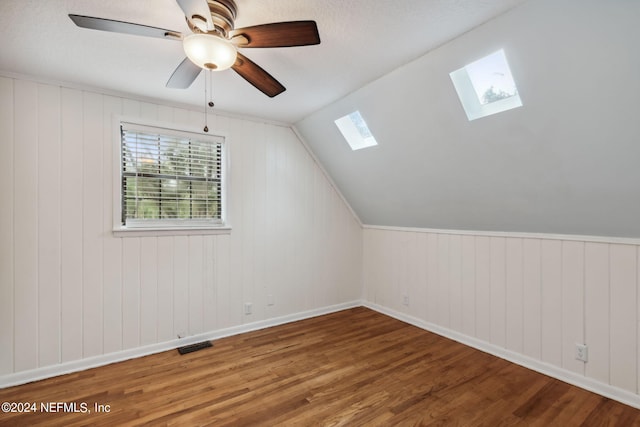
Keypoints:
pixel 572 378
pixel 23 377
pixel 598 387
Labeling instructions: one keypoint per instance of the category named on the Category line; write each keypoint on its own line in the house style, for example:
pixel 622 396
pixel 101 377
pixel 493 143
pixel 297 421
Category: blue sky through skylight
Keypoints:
pixel 355 131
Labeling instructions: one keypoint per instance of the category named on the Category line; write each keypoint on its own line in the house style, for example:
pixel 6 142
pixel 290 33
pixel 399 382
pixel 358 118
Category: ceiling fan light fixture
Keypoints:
pixel 209 51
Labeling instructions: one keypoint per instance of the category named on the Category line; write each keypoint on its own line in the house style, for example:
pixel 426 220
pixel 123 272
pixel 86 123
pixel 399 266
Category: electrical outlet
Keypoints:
pixel 270 300
pixel 581 352
pixel 248 308
pixel 405 299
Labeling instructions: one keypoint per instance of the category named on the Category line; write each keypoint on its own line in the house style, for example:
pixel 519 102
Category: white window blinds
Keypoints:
pixel 170 178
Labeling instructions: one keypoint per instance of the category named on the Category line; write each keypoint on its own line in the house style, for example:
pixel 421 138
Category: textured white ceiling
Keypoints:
pixel 362 40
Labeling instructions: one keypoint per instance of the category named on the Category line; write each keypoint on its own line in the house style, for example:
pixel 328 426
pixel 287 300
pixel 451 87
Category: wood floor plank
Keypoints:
pixel 355 367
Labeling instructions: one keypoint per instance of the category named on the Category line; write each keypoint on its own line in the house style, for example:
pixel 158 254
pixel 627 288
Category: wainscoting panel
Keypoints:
pixel 532 298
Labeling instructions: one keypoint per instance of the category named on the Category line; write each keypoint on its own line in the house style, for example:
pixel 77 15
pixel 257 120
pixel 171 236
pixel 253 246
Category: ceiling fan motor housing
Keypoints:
pixel 223 15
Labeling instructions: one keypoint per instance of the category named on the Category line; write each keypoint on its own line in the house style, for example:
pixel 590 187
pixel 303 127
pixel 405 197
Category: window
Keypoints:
pixel 486 86
pixel 355 131
pixel 170 179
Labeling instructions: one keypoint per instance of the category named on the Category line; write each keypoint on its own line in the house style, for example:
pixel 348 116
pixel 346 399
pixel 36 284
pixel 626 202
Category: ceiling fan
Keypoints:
pixel 213 43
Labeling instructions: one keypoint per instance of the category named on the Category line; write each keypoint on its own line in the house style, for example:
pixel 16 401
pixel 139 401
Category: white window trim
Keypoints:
pixel 196 228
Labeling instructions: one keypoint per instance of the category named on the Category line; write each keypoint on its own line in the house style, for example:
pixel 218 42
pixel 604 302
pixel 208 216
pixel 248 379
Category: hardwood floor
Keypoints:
pixel 355 367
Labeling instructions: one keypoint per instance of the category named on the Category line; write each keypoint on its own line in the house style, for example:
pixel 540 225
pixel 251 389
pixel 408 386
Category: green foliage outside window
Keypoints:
pixel 166 177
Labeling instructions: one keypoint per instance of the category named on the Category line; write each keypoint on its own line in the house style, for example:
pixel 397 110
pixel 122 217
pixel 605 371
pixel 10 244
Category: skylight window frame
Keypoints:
pixel 355 131
pixel 469 97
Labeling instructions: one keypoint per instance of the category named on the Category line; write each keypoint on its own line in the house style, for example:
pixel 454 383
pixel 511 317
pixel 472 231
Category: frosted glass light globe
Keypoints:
pixel 209 51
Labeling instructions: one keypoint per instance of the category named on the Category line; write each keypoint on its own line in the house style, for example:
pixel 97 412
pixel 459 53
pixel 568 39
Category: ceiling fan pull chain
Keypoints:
pixel 211 104
pixel 208 75
pixel 206 127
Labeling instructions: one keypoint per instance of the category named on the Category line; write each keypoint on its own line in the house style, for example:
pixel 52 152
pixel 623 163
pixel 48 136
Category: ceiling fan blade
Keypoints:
pixel 197 13
pixel 258 77
pixel 278 34
pixel 123 27
pixel 184 75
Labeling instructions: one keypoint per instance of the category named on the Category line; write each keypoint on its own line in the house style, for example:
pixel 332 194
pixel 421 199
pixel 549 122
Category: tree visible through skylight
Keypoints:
pixel 486 86
pixel 357 120
pixel 491 78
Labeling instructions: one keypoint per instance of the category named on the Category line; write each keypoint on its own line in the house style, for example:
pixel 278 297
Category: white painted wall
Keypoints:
pixel 528 299
pixel 71 291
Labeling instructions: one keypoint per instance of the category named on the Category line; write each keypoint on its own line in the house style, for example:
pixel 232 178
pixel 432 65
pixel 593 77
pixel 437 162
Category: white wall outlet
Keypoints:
pixel 248 308
pixel 270 300
pixel 405 299
pixel 581 352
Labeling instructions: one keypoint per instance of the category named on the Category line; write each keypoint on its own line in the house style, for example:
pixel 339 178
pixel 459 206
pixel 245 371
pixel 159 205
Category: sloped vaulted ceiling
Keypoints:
pixel 40 40
pixel 566 162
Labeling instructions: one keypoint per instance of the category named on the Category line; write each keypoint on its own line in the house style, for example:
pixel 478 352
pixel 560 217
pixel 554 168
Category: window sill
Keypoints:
pixel 187 231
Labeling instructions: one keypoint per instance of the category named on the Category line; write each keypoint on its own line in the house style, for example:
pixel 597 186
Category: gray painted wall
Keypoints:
pixel 566 162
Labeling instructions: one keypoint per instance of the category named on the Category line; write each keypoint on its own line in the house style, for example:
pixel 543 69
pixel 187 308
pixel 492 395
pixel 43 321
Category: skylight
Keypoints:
pixel 486 86
pixel 355 131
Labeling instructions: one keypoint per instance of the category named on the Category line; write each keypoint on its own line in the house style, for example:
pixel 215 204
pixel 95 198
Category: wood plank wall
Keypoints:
pixel 536 297
pixel 70 290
